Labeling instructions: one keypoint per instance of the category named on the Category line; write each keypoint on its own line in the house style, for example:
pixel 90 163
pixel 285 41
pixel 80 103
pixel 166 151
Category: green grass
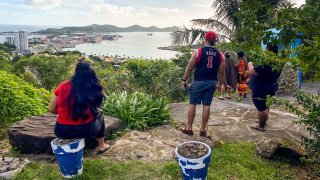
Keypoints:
pixel 236 161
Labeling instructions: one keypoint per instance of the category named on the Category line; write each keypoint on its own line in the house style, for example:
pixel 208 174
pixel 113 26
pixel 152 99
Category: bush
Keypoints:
pixel 19 99
pixel 46 71
pixel 137 110
pixel 309 113
pixel 157 77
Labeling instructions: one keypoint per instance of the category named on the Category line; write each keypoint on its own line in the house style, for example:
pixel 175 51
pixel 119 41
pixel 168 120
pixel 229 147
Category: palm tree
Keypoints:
pixel 225 21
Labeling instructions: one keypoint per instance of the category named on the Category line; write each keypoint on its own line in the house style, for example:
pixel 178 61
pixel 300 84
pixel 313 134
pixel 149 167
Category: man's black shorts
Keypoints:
pixel 259 96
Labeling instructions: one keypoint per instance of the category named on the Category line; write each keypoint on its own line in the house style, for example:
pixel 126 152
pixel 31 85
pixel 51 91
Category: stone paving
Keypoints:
pixel 229 122
pixel 156 144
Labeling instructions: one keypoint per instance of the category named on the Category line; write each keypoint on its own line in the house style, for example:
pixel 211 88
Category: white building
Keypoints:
pixel 11 40
pixel 22 41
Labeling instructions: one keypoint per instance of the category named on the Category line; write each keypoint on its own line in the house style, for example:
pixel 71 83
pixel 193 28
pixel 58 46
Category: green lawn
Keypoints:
pixel 230 161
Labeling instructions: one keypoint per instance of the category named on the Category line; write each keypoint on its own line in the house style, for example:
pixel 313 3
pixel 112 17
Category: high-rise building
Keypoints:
pixel 10 40
pixel 22 41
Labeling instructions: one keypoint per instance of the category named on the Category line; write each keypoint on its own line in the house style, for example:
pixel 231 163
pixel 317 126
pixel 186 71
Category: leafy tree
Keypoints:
pixel 157 78
pixel 95 58
pixel 5 63
pixel 302 23
pixel 227 19
pixel 46 71
pixel 6 47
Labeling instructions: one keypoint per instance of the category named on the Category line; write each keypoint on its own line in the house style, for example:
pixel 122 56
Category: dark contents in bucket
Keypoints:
pixel 60 141
pixel 192 150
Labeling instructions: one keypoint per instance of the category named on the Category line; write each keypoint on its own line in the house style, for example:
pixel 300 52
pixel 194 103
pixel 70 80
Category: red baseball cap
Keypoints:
pixel 211 36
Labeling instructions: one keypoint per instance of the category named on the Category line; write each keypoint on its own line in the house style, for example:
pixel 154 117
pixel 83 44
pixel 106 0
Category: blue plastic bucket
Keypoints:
pixel 194 168
pixel 69 155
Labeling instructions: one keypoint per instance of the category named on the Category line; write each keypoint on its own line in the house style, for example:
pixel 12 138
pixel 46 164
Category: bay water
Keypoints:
pixel 132 44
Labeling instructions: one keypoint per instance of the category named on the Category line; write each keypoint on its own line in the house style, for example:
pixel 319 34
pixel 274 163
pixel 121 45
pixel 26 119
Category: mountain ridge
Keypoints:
pixel 107 28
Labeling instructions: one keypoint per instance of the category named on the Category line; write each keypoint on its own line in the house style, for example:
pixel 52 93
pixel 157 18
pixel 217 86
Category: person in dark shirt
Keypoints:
pixel 209 65
pixel 263 82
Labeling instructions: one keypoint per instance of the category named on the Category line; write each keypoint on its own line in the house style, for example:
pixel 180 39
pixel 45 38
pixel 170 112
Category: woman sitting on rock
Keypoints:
pixel 77 103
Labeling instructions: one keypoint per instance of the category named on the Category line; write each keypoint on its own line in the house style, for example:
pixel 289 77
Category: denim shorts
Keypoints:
pixel 202 92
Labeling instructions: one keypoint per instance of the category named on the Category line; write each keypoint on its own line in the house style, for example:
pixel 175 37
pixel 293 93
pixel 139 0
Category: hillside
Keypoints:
pixel 108 28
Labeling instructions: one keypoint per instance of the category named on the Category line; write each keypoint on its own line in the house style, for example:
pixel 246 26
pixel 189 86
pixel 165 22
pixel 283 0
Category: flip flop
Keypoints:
pixel 221 98
pixel 257 128
pixel 228 97
pixel 257 121
pixel 188 132
pixel 104 150
pixel 203 133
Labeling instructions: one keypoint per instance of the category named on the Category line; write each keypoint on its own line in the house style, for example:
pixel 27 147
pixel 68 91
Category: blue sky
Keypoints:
pixel 122 13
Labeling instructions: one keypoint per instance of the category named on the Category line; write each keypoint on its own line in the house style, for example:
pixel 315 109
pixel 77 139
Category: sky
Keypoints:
pixel 123 13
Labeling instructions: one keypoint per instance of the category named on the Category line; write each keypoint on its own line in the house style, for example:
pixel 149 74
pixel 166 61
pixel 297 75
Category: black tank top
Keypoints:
pixel 208 61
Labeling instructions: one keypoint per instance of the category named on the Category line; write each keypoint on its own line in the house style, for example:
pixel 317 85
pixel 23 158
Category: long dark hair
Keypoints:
pixel 86 92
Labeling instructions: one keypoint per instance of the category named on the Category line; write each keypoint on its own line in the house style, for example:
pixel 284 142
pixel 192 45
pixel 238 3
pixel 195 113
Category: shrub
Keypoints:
pixel 309 113
pixel 157 78
pixel 137 110
pixel 47 71
pixel 19 99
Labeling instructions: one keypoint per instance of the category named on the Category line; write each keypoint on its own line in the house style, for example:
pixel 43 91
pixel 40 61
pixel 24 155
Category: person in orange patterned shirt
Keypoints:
pixel 243 77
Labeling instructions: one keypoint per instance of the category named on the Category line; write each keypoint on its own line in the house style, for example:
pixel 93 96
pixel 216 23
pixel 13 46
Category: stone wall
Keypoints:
pixel 288 81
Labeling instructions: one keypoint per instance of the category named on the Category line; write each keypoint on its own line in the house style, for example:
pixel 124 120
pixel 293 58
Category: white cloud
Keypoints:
pixel 43 4
pixel 6 13
pixel 175 10
pixel 106 9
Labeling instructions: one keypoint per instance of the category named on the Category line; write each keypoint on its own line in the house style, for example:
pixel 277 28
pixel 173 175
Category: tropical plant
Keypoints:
pixel 157 78
pixel 138 111
pixel 19 99
pixel 302 24
pixel 46 71
pixel 114 81
pixel 227 21
pixel 268 58
pixel 308 109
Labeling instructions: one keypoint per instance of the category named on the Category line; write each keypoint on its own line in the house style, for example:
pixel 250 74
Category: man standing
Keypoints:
pixel 209 64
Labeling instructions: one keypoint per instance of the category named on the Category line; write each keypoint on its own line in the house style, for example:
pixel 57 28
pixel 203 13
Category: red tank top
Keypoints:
pixel 64 116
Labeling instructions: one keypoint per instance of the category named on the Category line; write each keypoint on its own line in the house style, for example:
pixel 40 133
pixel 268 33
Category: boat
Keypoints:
pixel 149 34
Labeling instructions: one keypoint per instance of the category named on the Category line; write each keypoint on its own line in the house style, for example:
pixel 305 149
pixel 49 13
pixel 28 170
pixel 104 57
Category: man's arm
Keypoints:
pixel 221 71
pixel 191 65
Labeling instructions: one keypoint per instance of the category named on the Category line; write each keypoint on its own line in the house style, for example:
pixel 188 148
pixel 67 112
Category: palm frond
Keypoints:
pixel 189 36
pixel 213 24
pixel 226 10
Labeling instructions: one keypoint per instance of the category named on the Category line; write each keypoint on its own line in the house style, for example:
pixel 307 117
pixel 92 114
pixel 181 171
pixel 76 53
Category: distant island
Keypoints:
pixel 95 28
